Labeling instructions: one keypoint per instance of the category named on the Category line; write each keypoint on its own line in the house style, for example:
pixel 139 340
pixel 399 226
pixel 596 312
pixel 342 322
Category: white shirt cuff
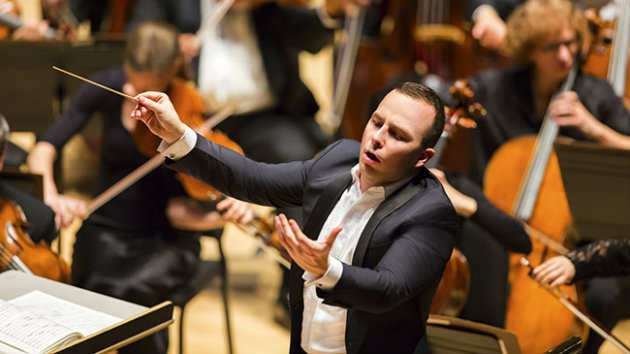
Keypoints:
pixel 329 279
pixel 326 19
pixel 181 147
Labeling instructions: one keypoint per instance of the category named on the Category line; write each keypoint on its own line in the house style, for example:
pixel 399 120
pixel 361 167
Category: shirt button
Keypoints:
pixel 171 155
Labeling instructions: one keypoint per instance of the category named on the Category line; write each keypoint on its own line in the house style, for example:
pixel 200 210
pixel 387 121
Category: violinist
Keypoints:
pixel 250 61
pixel 40 20
pixel 127 248
pixel 40 217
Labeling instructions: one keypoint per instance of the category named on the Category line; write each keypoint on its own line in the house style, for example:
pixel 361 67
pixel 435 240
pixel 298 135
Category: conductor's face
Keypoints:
pixel 391 144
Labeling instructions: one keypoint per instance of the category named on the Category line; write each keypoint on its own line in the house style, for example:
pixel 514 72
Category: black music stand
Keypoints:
pixel 597 183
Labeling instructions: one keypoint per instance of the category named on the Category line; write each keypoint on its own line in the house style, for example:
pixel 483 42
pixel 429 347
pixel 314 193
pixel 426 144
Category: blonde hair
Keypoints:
pixel 536 19
pixel 152 46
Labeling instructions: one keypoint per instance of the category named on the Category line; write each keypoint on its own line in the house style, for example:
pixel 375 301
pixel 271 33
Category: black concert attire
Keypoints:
pixel 604 258
pixel 126 248
pixel 485 239
pixel 41 218
pixel 507 96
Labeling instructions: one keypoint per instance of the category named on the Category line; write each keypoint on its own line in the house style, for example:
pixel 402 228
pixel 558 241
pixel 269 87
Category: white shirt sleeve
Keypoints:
pixel 329 279
pixel 181 147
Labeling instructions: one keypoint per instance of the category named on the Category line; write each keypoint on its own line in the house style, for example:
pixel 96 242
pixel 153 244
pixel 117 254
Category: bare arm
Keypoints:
pixel 40 160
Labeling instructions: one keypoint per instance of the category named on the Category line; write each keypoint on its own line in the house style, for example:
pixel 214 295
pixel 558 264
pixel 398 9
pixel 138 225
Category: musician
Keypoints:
pixel 250 61
pixel 603 258
pixel 41 218
pixel 379 228
pixel 596 262
pixel 489 17
pixel 126 248
pixel 544 38
pixel 41 20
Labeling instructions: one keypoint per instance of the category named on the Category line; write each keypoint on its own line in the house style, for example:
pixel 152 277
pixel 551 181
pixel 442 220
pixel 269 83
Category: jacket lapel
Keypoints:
pixel 325 204
pixel 390 204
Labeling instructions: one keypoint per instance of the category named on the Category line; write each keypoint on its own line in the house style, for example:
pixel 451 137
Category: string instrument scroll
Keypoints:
pixel 452 292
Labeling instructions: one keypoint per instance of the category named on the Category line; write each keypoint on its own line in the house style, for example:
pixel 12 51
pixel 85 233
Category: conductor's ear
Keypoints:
pixel 424 157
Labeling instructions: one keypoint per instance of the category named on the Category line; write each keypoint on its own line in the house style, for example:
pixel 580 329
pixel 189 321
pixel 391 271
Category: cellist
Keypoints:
pixel 544 38
pixel 127 248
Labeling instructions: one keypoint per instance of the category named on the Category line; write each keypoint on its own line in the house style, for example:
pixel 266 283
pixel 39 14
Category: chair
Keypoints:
pixel 206 272
pixel 455 335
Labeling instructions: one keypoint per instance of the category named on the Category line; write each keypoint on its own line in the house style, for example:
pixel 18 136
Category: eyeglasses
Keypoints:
pixel 553 47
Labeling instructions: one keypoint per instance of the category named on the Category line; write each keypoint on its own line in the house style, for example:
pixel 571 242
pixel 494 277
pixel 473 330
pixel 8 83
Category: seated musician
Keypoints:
pixel 38 20
pixel 489 17
pixel 40 217
pixel 604 258
pixel 545 38
pixel 127 248
pixel 598 262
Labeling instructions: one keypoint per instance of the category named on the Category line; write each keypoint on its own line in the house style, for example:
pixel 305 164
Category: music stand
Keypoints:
pixel 597 183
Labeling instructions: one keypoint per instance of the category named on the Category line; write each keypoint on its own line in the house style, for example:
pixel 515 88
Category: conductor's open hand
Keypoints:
pixel 310 255
pixel 156 111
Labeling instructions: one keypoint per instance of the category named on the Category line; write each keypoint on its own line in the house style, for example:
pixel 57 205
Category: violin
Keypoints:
pixel 63 24
pixel 190 106
pixel 19 252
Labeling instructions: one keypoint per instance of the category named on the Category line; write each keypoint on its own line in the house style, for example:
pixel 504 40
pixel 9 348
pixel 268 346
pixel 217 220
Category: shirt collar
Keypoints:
pixel 388 189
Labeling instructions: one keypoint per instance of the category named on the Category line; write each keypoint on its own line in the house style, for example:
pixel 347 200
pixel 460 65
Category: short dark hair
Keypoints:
pixel 426 94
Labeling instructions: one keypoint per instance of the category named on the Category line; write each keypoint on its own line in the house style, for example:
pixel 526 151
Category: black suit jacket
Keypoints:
pixel 282 32
pixel 400 255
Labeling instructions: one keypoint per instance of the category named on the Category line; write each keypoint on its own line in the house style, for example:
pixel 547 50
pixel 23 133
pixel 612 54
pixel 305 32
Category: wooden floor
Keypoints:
pixel 254 278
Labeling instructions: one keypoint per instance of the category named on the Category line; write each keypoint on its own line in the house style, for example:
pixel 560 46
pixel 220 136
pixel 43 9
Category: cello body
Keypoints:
pixel 538 319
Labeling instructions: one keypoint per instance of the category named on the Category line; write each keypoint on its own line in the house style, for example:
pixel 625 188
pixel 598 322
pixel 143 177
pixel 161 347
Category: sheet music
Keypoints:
pixel 30 332
pixel 76 317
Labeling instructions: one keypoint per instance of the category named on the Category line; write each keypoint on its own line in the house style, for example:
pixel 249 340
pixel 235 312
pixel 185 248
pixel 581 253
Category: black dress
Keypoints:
pixel 126 249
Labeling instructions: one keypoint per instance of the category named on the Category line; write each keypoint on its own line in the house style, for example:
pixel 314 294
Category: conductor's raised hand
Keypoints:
pixel 156 111
pixel 310 255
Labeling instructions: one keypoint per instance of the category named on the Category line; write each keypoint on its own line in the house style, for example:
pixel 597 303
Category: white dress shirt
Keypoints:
pixel 231 70
pixel 324 326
